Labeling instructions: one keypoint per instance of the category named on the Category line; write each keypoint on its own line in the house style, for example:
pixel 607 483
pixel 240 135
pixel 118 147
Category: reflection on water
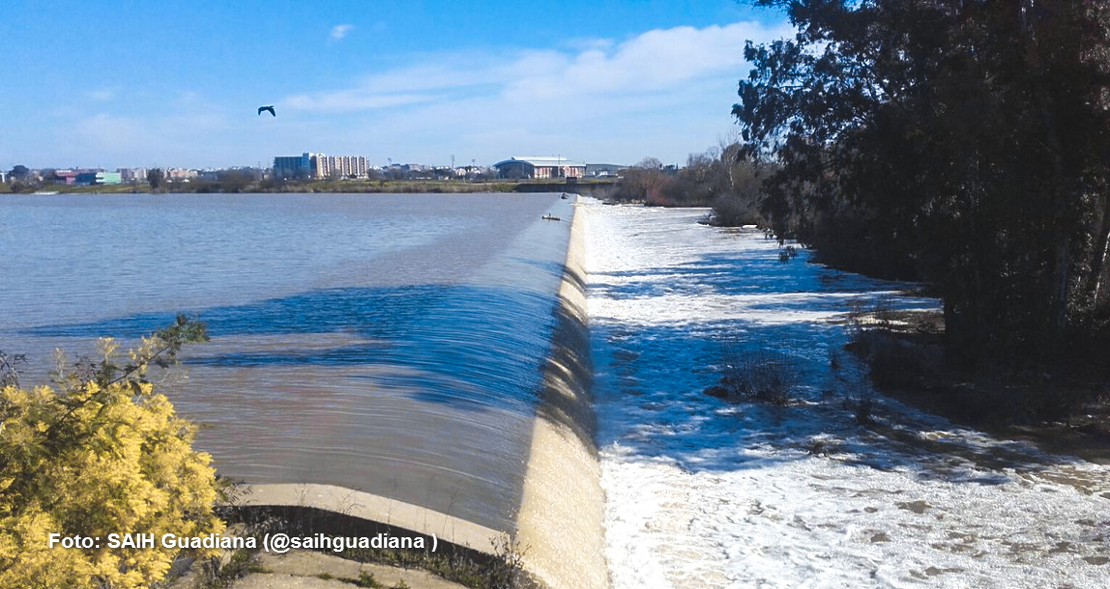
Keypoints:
pixel 385 343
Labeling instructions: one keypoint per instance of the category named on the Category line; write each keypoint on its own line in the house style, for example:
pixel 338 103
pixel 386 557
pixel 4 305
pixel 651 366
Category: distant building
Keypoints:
pixel 132 174
pixel 294 166
pixel 180 174
pixel 318 165
pixel 604 170
pixel 344 166
pixel 96 178
pixel 93 178
pixel 65 176
pixel 539 167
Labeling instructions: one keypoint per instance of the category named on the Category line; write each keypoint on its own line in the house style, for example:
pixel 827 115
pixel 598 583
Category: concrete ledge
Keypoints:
pixel 560 521
pixel 357 505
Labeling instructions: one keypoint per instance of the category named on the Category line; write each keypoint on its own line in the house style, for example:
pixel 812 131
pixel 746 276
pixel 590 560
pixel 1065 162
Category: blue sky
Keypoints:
pixel 118 83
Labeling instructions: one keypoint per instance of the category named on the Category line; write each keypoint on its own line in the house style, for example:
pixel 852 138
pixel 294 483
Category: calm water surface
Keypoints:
pixel 385 343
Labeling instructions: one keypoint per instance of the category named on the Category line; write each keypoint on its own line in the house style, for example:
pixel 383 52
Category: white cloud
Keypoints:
pixel 101 95
pixel 664 93
pixel 655 61
pixel 340 31
pixel 659 60
pixel 352 100
pixel 193 131
pixel 108 132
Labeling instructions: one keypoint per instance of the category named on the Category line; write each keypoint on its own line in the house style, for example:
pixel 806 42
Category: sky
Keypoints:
pixel 122 83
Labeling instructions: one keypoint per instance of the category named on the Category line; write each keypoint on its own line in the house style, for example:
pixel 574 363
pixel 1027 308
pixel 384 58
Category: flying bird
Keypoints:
pixel 265 108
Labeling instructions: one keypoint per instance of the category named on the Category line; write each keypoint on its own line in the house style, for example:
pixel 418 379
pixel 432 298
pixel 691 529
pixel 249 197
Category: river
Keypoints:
pixel 701 493
pixel 390 344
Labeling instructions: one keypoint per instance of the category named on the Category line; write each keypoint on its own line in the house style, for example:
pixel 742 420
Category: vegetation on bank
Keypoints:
pixel 198 186
pixel 236 181
pixel 719 178
pixel 100 452
pixel 960 144
pixel 963 145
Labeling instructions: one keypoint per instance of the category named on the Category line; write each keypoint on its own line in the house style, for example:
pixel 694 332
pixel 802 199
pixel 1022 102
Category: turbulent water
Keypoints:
pixel 385 343
pixel 701 493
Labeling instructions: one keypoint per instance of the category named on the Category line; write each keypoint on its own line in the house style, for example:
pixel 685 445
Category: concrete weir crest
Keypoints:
pixel 559 520
pixel 561 514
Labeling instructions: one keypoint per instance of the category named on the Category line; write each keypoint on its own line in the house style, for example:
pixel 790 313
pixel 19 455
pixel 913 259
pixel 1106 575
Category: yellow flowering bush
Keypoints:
pixel 100 453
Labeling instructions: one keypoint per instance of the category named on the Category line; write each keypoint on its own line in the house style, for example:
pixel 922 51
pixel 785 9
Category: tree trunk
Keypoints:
pixel 1098 264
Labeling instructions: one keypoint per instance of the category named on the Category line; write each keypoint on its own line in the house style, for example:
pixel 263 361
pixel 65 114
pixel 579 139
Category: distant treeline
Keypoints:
pixel 719 178
pixel 245 184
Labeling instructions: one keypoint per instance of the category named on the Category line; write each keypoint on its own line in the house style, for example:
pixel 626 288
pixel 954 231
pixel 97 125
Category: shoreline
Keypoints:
pixel 327 187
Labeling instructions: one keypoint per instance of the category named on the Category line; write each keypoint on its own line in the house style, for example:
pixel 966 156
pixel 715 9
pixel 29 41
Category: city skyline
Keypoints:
pixel 120 84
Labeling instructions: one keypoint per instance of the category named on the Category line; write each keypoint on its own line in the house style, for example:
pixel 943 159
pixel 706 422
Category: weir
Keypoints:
pixel 558 522
pixel 382 363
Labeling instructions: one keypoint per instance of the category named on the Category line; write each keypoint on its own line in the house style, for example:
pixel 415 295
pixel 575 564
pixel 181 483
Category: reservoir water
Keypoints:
pixel 390 344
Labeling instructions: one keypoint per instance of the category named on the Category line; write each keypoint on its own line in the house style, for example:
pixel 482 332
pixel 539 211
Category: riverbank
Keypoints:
pixel 330 186
pixel 292 186
pixel 302 569
pixel 1066 412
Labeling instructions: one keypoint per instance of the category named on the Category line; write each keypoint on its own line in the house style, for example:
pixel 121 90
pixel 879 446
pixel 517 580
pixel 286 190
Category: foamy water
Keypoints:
pixel 701 493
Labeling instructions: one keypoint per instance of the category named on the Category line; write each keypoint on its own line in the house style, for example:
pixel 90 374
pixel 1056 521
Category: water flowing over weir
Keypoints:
pixel 416 360
pixel 701 493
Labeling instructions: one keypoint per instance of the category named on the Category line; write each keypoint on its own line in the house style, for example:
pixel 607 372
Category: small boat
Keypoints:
pixel 46 192
pixel 550 218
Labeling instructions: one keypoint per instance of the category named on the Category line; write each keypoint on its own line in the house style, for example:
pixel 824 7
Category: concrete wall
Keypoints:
pixel 562 510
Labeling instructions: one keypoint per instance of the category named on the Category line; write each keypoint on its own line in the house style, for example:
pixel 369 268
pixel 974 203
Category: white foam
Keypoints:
pixel 705 494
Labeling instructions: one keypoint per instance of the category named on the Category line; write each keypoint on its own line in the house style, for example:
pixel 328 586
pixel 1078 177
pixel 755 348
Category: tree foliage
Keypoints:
pixel 20 172
pixel 642 182
pixel 722 179
pixel 963 142
pixel 100 453
pixel 156 177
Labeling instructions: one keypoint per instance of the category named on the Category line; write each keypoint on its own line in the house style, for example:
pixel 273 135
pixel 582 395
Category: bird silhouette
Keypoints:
pixel 265 108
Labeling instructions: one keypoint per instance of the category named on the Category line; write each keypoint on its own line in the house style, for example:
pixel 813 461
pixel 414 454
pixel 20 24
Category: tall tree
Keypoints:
pixel 20 172
pixel 964 139
pixel 156 177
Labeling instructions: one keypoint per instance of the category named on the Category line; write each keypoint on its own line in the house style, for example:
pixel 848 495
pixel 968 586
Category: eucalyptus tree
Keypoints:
pixel 963 142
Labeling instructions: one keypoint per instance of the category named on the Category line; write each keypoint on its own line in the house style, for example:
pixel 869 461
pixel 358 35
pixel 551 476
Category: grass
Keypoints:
pixel 318 186
pixel 219 575
pixel 364 579
pixel 499 568
pixel 504 570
